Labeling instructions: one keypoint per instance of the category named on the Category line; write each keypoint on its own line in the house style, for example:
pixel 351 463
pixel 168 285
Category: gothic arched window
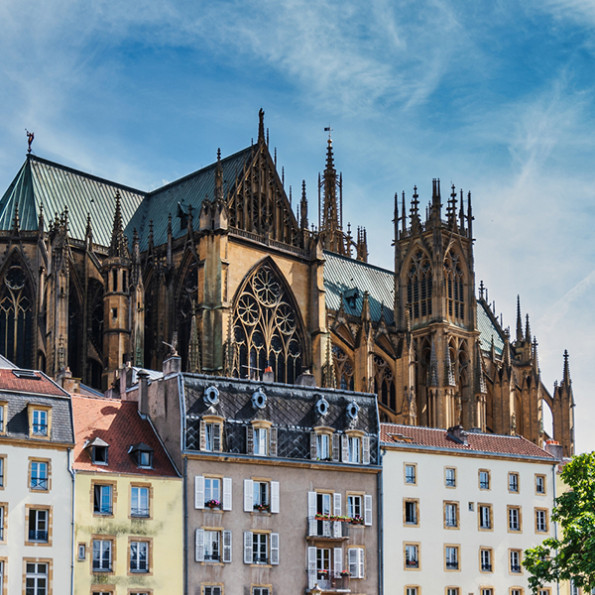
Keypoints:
pixel 16 318
pixel 266 329
pixel 453 276
pixel 419 286
pixel 384 384
pixel 343 369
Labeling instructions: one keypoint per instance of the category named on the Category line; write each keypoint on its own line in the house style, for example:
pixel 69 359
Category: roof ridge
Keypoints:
pixel 359 262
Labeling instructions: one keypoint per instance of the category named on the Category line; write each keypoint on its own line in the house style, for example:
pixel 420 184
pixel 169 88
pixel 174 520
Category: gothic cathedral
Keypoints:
pixel 220 267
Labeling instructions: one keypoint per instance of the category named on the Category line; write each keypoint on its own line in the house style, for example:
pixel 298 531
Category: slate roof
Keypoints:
pixel 55 186
pixel 342 274
pixel 396 435
pixel 488 329
pixel 119 424
pixel 189 191
pixel 21 392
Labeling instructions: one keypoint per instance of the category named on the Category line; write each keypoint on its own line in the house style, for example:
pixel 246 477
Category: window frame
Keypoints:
pixel 3 458
pixel 354 500
pixel 103 539
pixel 482 483
pixel 415 547
pixel 38 487
pixel 211 587
pixel 35 575
pixel 3 421
pixel 139 512
pixel 515 552
pixel 415 503
pixel 412 590
pixel 97 504
pixel 146 544
pixel 34 410
pixel 410 478
pixel 32 510
pixel 540 479
pixel 481 506
pixel 359 563
pixel 490 555
pixel 450 483
pixel 3 524
pixel 546 524
pixel 451 526
pixel 514 482
pixel 511 517
pixel 456 548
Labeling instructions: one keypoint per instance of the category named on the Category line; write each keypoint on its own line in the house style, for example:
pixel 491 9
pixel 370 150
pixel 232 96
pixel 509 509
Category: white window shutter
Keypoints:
pixel 368 510
pixel 312 514
pixel 345 448
pixel 337 504
pixel 227 493
pixel 352 559
pixel 273 444
pixel 338 560
pixel 366 450
pixel 248 495
pixel 360 556
pixel 199 491
pixel 274 548
pixel 247 547
pixel 311 567
pixel 250 440
pixel 274 496
pixel 199 545
pixel 217 437
pixel 226 546
pixel 313 445
pixel 202 441
pixel 335 445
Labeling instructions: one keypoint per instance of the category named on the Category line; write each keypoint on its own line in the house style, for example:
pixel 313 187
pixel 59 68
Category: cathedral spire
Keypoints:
pixel 519 323
pixel 566 374
pixel 527 330
pixel 304 207
pixel 118 245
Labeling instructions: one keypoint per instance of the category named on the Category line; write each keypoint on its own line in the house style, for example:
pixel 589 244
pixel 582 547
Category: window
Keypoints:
pixel 485 559
pixel 452 591
pixel 261 591
pixel 261 548
pixel 212 492
pixel 484 479
pixel 450 477
pixel 38 525
pixel 82 551
pixel 261 495
pixel 211 590
pixel 139 501
pixel 354 506
pixel 516 591
pixel 207 492
pixel 39 425
pixel 355 558
pixel 212 545
pixel 411 556
pixel 2 460
pixel 39 476
pixel 540 484
pixel 261 441
pixel 411 516
pixel 212 436
pixel 102 555
pixel 541 525
pixel 484 512
pixel 139 556
pixel 2 420
pixel 513 482
pixel 410 473
pixel 36 578
pixel 451 557
pixel 3 511
pixel 323 447
pixel 574 590
pixel 487 591
pixel 142 454
pixel 411 590
pixel 323 563
pixel 548 592
pixel 451 515
pixel 514 518
pixel 354 444
pixel 515 561
pixel 102 499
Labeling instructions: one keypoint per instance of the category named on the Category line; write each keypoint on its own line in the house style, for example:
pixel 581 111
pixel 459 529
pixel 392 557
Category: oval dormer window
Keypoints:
pixel 352 410
pixel 211 395
pixel 322 406
pixel 259 399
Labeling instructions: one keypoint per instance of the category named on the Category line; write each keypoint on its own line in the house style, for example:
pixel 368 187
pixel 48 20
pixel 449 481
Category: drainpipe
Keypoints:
pixel 72 545
pixel 555 524
pixel 185 528
pixel 380 524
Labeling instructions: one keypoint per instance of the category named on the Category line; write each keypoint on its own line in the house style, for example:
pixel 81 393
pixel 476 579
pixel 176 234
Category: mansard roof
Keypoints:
pixel 119 424
pixel 414 437
pixel 342 275
pixel 57 187
pixel 177 197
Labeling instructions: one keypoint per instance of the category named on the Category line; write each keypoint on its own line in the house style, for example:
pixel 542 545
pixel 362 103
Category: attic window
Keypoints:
pixel 351 296
pixel 98 451
pixel 29 374
pixel 143 454
pixel 400 438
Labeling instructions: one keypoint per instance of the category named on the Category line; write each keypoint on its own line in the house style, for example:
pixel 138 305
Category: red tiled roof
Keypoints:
pixel 119 424
pixel 41 385
pixel 477 442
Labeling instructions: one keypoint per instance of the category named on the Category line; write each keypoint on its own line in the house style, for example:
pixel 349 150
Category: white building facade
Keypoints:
pixel 460 509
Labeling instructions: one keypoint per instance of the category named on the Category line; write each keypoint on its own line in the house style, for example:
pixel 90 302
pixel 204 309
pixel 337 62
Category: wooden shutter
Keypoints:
pixel 353 562
pixel 335 444
pixel 274 548
pixel 199 491
pixel 311 567
pixel 345 448
pixel 312 514
pixel 366 450
pixel 226 546
pixel 338 560
pixel 274 496
pixel 199 545
pixel 273 444
pixel 249 440
pixel 248 495
pixel 247 547
pixel 360 559
pixel 202 441
pixel 337 525
pixel 217 437
pixel 227 493
pixel 313 446
pixel 368 510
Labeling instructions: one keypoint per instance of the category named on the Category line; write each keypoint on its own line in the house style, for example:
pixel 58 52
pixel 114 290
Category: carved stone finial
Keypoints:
pixel 30 137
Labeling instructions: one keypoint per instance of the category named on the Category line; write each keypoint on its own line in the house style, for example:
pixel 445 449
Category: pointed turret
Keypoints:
pixel 566 372
pixel 193 344
pixel 261 138
pixel 527 330
pixel 519 323
pixel 218 178
pixel 304 208
pixel 118 245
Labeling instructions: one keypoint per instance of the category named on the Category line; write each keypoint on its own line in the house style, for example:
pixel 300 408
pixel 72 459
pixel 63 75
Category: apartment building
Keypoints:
pixel 128 504
pixel 460 508
pixel 280 482
pixel 36 486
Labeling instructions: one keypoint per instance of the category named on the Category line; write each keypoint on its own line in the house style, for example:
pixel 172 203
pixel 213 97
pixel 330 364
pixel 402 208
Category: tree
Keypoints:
pixel 571 555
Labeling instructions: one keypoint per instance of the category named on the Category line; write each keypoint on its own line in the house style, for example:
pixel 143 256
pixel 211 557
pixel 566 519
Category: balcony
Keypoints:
pixel 330 581
pixel 328 529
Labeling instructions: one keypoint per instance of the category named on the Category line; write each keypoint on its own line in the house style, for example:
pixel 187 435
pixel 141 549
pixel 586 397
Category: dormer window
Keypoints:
pixel 143 454
pixel 40 418
pixel 97 449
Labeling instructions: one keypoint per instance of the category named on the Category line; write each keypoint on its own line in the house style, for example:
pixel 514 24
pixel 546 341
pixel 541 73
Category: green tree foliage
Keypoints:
pixel 572 554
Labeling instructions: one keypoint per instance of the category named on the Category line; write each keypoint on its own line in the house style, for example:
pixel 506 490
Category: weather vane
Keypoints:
pixel 30 137
pixel 329 130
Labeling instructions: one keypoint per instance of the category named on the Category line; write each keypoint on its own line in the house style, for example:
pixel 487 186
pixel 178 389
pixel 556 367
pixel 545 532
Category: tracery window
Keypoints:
pixel 16 318
pixel 419 286
pixel 343 369
pixel 453 275
pixel 266 329
pixel 384 384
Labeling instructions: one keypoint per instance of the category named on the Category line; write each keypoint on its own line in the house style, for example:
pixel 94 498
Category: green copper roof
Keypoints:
pixel 176 198
pixel 56 187
pixel 343 275
pixel 488 330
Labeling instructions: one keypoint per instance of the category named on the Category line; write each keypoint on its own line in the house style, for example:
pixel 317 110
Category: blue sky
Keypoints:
pixel 497 98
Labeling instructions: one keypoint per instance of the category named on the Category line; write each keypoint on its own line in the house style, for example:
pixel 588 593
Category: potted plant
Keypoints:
pixel 213 504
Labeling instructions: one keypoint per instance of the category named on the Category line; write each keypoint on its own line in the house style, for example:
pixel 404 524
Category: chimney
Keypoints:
pixel 269 375
pixel 555 449
pixel 172 365
pixel 143 392
pixel 306 379
pixel 458 435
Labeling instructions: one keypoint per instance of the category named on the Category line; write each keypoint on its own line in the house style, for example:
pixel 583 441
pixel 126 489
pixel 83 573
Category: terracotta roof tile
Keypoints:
pixel 119 424
pixel 393 434
pixel 40 385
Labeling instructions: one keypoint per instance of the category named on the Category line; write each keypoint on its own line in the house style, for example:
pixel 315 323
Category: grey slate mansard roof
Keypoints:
pixel 291 409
